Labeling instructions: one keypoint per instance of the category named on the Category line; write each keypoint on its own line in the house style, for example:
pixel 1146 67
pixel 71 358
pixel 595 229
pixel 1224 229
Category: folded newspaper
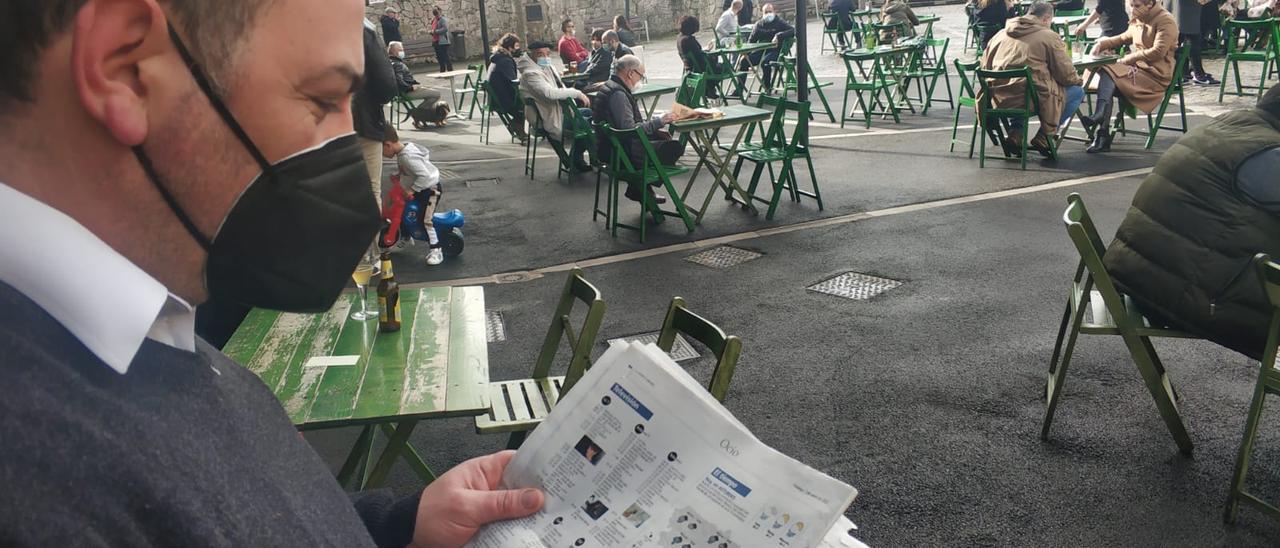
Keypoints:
pixel 639 454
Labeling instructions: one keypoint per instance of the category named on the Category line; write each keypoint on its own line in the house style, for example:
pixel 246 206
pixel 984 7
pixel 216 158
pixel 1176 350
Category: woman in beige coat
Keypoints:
pixel 1142 76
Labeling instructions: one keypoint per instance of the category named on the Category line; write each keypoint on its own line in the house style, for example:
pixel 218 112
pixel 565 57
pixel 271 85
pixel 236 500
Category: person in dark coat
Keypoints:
pixel 695 58
pixel 1187 14
pixel 390 26
pixel 502 83
pixel 625 34
pixel 367 105
pixel 599 63
pixel 992 16
pixel 1184 249
pixel 770 28
pixel 616 105
pixel 842 10
pixel 1110 15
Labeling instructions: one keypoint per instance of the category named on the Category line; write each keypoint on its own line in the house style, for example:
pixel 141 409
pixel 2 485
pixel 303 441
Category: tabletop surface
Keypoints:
pixel 1090 61
pixel 1069 19
pixel 436 365
pixel 450 74
pixel 746 47
pixel 650 90
pixel 573 77
pixel 733 115
pixel 928 18
pixel 882 50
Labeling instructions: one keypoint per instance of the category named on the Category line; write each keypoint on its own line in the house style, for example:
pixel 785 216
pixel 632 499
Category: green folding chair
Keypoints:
pixel 401 104
pixel 1262 46
pixel 1268 383
pixel 491 107
pixel 620 170
pixel 966 98
pixel 790 83
pixel 928 70
pixel 832 30
pixel 990 117
pixel 517 406
pixel 726 348
pixel 872 89
pixel 1155 121
pixel 692 92
pixel 777 147
pixel 575 127
pixel 471 86
pixel 1117 314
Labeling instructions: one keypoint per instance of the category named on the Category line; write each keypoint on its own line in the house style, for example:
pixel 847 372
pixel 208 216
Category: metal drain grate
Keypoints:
pixel 447 174
pixel 723 257
pixel 483 181
pixel 494 326
pixel 854 285
pixel 681 350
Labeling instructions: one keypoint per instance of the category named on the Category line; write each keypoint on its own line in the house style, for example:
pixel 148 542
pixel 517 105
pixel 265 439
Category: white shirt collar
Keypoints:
pixel 107 302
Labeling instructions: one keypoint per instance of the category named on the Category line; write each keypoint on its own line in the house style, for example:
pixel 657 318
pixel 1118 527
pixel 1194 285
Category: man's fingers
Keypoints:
pixel 505 504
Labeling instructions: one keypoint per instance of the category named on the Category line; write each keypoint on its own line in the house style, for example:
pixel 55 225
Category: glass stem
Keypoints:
pixel 364 296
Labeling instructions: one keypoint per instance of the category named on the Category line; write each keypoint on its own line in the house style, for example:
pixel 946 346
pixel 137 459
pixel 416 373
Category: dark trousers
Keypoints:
pixel 667 150
pixel 442 57
pixel 764 58
pixel 1196 43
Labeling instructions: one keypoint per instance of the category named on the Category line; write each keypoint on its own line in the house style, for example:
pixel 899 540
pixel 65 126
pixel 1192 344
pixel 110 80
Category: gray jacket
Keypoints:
pixel 440 34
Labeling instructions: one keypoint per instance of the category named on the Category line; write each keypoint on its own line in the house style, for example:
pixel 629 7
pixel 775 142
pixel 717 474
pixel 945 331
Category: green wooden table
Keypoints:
pixel 928 21
pixel 571 78
pixel 733 56
pixel 330 371
pixel 655 92
pixel 704 135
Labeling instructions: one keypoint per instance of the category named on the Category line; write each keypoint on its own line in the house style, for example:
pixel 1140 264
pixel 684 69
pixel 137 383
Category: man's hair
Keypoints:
pixel 608 35
pixel 735 4
pixel 766 8
pixel 394 44
pixel 1270 101
pixel 626 62
pixel 1041 9
pixel 389 135
pixel 508 41
pixel 689 24
pixel 597 34
pixel 213 32
pixel 564 25
pixel 620 22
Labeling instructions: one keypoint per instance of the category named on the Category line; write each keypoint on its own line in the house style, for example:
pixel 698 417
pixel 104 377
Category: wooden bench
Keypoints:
pixel 419 50
pixel 787 8
pixel 638 25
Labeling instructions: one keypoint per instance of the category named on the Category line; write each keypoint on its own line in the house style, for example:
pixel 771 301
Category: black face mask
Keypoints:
pixel 299 229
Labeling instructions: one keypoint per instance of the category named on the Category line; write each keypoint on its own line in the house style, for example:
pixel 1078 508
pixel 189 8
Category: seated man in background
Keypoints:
pixel 897 12
pixel 771 28
pixel 1212 202
pixel 616 106
pixel 599 63
pixel 430 108
pixel 1029 41
pixel 727 26
pixel 842 10
pixel 613 41
pixel 539 81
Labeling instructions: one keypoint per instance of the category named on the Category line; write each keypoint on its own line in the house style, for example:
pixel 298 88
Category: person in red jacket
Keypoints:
pixel 571 50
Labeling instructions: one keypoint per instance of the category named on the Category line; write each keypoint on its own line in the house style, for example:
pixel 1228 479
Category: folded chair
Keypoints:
pixel 1116 314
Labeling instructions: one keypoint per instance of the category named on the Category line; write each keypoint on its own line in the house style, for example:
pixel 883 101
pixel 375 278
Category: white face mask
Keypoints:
pixel 400 54
pixel 544 61
pixel 768 17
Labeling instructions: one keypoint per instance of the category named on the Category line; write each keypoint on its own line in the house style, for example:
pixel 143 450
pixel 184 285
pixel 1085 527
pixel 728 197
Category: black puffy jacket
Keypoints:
pixel 379 89
pixel 1184 248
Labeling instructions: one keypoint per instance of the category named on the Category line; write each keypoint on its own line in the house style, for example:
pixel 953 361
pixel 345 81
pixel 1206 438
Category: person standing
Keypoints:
pixel 1110 15
pixel 378 89
pixel 390 26
pixel 1187 14
pixel 440 39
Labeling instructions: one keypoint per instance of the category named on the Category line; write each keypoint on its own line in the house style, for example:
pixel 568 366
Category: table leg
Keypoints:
pixel 412 458
pixel 356 456
pixel 719 165
pixel 399 440
pixel 453 98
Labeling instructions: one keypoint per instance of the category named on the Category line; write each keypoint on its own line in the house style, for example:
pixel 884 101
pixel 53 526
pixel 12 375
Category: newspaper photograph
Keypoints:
pixel 640 454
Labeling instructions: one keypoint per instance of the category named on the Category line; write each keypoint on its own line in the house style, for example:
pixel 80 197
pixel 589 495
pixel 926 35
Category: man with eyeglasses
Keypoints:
pixel 616 105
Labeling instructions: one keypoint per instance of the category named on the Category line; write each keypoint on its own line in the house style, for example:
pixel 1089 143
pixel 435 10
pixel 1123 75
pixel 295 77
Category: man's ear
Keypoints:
pixel 111 39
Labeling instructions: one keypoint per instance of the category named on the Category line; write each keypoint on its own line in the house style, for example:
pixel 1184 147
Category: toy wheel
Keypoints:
pixel 451 243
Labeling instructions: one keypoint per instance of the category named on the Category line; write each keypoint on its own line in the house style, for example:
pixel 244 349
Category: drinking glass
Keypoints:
pixel 361 276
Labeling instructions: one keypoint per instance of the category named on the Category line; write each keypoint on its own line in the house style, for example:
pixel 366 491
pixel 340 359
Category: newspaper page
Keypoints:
pixel 639 454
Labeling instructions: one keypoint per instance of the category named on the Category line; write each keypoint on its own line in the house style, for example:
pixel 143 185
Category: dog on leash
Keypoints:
pixel 430 114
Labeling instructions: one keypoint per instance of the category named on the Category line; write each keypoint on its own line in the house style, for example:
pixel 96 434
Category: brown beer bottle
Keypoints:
pixel 388 298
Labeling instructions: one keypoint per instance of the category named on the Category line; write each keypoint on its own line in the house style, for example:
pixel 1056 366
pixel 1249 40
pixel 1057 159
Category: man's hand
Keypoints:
pixel 457 503
pixel 584 99
pixel 1080 32
pixel 668 117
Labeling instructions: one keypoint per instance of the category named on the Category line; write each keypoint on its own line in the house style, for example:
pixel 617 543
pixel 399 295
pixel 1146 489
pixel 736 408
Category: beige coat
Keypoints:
pixel 1027 42
pixel 546 89
pixel 1144 74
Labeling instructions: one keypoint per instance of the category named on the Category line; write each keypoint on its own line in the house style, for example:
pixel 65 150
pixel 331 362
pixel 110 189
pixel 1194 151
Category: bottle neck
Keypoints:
pixel 386 269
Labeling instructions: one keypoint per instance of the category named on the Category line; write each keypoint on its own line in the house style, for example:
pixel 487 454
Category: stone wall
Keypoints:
pixel 505 16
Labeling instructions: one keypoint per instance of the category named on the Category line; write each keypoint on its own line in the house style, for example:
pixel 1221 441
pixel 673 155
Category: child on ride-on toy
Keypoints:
pixel 421 180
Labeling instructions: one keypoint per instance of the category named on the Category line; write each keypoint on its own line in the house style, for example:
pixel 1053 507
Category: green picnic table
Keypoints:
pixel 652 91
pixel 704 135
pixel 331 371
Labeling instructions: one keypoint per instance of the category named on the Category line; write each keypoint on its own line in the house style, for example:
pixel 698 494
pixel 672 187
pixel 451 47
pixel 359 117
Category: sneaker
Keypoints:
pixel 435 257
pixel 1205 79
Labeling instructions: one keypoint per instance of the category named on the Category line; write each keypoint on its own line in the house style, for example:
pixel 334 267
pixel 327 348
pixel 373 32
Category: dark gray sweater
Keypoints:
pixel 187 449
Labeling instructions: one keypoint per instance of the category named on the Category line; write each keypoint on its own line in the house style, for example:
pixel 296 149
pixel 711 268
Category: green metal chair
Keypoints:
pixel 575 127
pixel 1268 54
pixel 1155 121
pixel 1117 315
pixel 989 118
pixel 726 348
pixel 518 406
pixel 401 104
pixel 491 107
pixel 692 92
pixel 620 170
pixel 777 147
pixel 471 86
pixel 873 90
pixel 1268 383
pixel 832 30
pixel 966 98
pixel 928 70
